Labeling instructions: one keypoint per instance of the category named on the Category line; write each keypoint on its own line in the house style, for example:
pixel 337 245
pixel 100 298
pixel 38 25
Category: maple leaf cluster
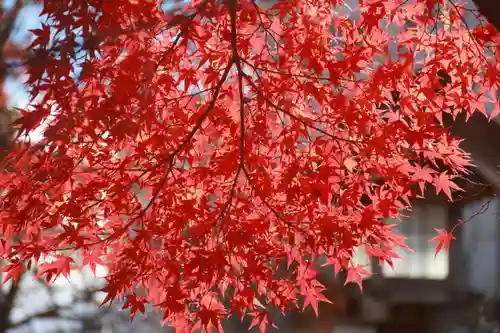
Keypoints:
pixel 199 154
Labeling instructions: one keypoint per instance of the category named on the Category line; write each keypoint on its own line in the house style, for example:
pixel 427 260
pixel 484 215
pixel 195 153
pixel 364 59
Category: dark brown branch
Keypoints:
pixel 7 23
pixel 297 118
pixel 302 76
pixel 52 313
pixel 187 139
pixel 6 305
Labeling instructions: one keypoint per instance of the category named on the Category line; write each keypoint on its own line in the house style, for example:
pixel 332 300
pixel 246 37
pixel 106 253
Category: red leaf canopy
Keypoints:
pixel 199 153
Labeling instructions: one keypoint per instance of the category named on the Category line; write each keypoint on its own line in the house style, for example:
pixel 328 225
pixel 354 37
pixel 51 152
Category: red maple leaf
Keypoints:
pixel 443 183
pixel 355 274
pixel 57 266
pixel 443 240
pixel 13 271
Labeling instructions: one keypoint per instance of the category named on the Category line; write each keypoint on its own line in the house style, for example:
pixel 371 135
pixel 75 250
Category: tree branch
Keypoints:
pixel 8 23
pixel 6 306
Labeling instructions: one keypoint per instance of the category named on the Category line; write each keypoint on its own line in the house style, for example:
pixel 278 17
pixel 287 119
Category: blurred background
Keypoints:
pixel 455 292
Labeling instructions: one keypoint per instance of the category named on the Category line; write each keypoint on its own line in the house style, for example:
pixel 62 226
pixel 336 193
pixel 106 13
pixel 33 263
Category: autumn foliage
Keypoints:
pixel 200 154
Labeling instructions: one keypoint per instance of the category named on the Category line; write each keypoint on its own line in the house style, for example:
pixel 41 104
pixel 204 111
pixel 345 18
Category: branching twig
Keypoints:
pixel 185 141
pixel 291 115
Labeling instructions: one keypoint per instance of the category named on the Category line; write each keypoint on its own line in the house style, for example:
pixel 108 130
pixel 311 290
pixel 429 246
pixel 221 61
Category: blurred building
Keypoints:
pixel 455 292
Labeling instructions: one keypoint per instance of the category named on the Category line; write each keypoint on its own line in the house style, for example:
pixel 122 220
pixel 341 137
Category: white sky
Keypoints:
pixel 14 87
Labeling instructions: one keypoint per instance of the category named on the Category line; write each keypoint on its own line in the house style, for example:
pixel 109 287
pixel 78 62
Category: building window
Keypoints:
pixel 419 227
